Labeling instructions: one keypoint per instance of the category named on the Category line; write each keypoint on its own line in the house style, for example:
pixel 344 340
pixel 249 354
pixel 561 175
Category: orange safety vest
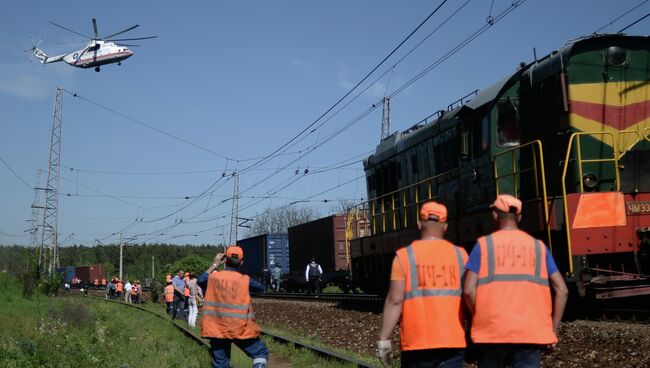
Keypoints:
pixel 169 293
pixel 227 309
pixel 119 286
pixel 432 311
pixel 513 297
pixel 186 291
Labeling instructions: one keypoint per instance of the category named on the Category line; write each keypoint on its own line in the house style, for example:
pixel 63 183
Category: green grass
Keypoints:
pixel 297 357
pixel 82 332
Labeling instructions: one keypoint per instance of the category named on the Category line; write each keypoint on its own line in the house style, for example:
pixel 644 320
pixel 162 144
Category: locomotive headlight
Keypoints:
pixel 616 56
pixel 590 181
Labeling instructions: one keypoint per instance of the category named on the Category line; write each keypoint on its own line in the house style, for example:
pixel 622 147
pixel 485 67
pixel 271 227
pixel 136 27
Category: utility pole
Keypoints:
pixel 152 268
pixel 385 119
pixel 49 251
pixel 121 246
pixel 234 215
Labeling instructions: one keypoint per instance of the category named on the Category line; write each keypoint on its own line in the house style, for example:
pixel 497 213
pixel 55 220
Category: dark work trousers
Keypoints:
pixel 440 358
pixel 255 348
pixel 515 355
pixel 179 303
pixel 314 282
pixel 186 308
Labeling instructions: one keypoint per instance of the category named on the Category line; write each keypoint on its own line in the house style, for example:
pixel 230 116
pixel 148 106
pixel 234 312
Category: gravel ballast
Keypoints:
pixel 590 344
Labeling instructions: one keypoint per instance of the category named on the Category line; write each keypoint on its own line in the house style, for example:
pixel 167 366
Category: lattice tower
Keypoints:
pixel 49 239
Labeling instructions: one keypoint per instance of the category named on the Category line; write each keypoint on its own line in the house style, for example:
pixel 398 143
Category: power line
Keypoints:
pixel 459 47
pixel 633 23
pixel 392 68
pixel 15 174
pixel 620 16
pixel 147 125
pixel 102 193
pixel 13 235
pixel 350 91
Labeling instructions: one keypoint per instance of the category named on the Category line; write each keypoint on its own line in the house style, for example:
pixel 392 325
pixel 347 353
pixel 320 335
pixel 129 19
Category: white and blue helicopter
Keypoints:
pixel 98 51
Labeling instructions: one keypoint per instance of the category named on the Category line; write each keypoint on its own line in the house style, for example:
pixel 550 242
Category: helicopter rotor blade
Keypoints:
pixel 120 32
pixel 95 28
pixel 133 39
pixel 69 30
pixel 127 44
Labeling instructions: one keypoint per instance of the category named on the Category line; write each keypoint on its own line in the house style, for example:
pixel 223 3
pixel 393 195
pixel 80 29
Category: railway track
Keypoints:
pixel 321 352
pixel 361 298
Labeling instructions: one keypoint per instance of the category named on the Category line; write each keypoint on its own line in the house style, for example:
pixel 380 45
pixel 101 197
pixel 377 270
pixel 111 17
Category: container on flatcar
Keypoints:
pixel 88 274
pixel 264 251
pixel 67 273
pixel 324 239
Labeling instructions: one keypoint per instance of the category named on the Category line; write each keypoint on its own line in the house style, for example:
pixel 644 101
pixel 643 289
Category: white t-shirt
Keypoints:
pixel 127 286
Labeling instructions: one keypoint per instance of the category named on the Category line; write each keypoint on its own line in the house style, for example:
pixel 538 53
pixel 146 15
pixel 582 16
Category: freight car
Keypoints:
pixel 264 252
pixel 568 134
pixel 67 273
pixel 324 239
pixel 88 274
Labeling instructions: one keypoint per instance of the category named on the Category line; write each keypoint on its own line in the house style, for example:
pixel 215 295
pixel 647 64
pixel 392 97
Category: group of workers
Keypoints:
pixel 182 293
pixel 116 288
pixel 508 290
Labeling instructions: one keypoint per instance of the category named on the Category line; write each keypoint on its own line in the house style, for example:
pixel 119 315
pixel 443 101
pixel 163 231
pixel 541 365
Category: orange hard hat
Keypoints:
pixel 507 203
pixel 433 211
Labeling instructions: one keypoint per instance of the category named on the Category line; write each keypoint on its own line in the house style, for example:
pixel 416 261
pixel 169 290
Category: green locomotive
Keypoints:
pixel 568 134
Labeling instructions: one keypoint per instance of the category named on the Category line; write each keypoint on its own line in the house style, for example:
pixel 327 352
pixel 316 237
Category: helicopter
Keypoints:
pixel 98 51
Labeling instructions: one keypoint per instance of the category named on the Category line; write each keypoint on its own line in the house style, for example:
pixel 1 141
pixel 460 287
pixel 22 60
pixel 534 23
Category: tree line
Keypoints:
pixel 136 258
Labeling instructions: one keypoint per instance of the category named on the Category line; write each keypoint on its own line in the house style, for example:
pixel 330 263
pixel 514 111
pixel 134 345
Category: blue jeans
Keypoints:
pixel 447 358
pixel 515 355
pixel 179 301
pixel 254 348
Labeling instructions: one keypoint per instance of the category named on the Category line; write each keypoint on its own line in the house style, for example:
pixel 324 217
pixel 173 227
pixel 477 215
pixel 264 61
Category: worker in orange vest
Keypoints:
pixel 169 296
pixel 135 292
pixel 507 289
pixel 425 294
pixel 228 313
pixel 103 281
pixel 119 288
pixel 96 283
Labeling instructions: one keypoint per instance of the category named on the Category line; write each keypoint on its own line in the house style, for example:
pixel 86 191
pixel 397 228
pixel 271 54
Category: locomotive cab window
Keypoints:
pixel 474 133
pixel 508 125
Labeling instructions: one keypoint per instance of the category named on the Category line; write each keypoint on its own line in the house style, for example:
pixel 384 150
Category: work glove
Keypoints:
pixel 385 352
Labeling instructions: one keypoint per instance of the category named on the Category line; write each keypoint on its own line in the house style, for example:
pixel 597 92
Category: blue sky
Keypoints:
pixel 239 78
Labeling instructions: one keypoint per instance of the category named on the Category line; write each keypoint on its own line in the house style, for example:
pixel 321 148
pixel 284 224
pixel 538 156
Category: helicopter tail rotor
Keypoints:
pixel 34 50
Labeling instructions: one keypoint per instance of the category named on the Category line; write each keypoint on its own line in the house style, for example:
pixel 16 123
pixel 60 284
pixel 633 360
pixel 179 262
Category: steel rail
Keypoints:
pixel 184 330
pixel 321 352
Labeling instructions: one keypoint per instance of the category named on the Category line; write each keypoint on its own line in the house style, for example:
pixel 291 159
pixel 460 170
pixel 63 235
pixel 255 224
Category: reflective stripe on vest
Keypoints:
pixel 413 270
pixel 228 315
pixel 492 277
pixel 226 306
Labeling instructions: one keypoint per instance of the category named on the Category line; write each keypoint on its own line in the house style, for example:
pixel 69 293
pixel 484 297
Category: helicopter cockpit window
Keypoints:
pixel 508 126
